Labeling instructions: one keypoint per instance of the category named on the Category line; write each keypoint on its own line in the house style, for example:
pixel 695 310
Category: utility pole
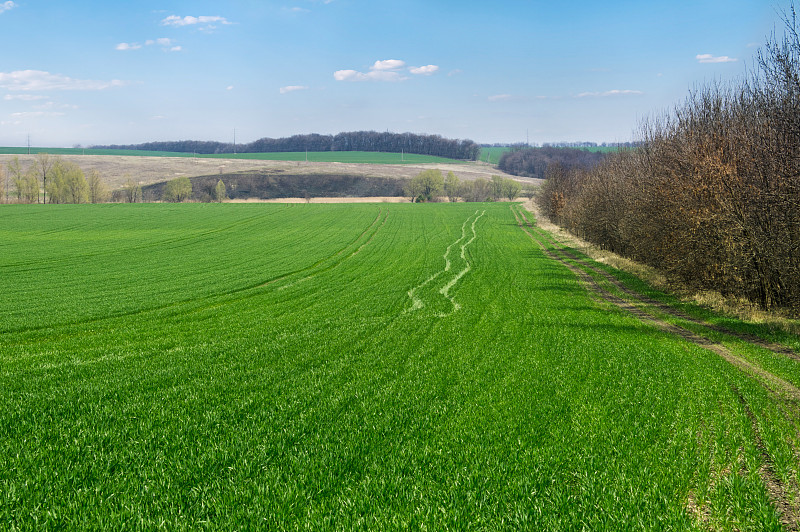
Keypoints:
pixel 234 141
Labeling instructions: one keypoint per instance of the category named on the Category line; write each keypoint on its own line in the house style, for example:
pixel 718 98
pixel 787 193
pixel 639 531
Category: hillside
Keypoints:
pixel 146 170
pixel 277 184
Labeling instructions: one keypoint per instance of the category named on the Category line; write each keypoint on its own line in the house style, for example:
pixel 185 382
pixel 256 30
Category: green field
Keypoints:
pixel 363 366
pixel 492 154
pixel 320 157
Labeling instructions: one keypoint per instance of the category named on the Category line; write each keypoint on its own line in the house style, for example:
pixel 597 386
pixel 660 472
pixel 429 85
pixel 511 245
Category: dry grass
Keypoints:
pixel 730 306
pixel 116 170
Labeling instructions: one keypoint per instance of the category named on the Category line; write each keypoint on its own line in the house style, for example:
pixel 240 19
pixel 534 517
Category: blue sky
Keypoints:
pixel 100 72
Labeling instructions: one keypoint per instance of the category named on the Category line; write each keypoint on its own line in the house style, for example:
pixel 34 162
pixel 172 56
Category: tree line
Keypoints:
pixel 712 195
pixel 533 162
pixel 430 185
pixel 49 179
pixel 435 145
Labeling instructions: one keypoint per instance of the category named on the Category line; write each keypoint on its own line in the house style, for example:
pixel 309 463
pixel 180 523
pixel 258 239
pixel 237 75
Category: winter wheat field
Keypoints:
pixel 371 366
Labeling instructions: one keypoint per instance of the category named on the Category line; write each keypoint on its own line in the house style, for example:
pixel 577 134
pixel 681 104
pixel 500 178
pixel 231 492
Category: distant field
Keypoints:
pixel 321 157
pixel 365 367
pixel 492 155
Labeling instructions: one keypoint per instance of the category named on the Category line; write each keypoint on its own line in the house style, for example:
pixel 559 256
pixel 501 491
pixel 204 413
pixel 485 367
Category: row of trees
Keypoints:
pixel 351 141
pixel 713 195
pixel 533 162
pixel 430 185
pixel 50 179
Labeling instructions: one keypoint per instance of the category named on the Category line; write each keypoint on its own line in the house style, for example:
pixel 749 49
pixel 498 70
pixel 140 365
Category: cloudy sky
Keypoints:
pixel 99 72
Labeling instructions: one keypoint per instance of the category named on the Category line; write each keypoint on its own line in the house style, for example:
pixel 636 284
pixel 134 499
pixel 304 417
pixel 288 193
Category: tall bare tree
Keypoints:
pixel 98 191
pixel 44 163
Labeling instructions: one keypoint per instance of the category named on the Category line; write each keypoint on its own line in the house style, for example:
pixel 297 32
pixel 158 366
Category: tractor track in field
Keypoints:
pixel 418 303
pixel 779 494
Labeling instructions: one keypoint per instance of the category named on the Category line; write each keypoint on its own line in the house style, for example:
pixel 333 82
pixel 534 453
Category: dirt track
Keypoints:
pixel 115 170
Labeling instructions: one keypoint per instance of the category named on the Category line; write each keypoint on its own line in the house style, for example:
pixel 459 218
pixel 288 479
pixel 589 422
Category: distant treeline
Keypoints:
pixel 712 198
pixel 578 144
pixel 533 162
pixel 352 141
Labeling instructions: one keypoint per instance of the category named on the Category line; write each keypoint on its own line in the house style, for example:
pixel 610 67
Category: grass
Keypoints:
pixel 492 154
pixel 383 366
pixel 329 156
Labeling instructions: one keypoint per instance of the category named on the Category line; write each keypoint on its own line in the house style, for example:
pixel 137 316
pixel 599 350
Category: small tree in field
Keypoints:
pixel 98 191
pixel 452 186
pixel 16 176
pixel 178 190
pixel 28 186
pixel 511 189
pixel 219 192
pixel 132 191
pixel 426 186
pixel 76 189
pixel 44 163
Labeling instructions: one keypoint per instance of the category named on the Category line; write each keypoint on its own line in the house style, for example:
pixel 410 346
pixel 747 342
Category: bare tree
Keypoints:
pixel 98 191
pixel 132 190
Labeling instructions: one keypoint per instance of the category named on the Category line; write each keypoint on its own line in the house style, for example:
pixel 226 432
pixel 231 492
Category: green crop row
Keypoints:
pixel 372 366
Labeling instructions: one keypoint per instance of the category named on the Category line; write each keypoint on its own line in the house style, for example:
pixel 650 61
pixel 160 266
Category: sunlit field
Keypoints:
pixel 373 366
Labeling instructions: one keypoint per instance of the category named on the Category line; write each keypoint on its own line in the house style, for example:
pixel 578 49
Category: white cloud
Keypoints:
pixel 455 72
pixel 163 41
pixel 386 70
pixel 7 6
pixel 124 46
pixel 708 58
pixel 293 88
pixel 499 97
pixel 388 64
pixel 229 88
pixel 175 20
pixel 614 92
pixel 36 114
pixel 426 70
pixel 24 97
pixel 38 80
pixel 349 75
pixel 300 10
pixel 373 75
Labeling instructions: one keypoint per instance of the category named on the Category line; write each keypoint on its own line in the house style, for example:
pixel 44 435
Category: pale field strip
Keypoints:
pixel 116 169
